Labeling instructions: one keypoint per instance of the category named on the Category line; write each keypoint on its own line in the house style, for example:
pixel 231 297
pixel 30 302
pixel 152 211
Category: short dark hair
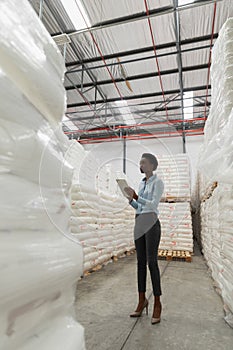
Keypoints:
pixel 153 160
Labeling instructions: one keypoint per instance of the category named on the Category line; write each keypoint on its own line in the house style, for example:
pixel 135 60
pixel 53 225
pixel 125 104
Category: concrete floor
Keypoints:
pixel 192 315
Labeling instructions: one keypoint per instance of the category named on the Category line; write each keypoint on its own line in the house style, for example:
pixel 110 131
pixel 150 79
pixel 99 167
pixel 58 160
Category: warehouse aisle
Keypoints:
pixel 192 311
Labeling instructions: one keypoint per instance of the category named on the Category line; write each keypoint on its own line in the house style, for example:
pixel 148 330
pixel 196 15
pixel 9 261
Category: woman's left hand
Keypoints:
pixel 131 193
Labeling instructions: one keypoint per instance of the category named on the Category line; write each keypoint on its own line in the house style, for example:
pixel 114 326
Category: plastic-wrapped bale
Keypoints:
pixel 37 249
pixel 29 313
pixel 217 240
pixel 176 226
pixel 34 244
pixel 216 164
pixel 27 150
pixel 30 55
pixel 216 160
pixel 222 81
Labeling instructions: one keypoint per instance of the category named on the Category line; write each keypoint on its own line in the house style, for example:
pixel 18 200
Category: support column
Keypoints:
pixel 179 62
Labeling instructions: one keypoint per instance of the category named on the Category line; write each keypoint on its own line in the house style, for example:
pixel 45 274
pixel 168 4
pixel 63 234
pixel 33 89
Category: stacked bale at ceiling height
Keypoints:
pixel 39 264
pixel 216 165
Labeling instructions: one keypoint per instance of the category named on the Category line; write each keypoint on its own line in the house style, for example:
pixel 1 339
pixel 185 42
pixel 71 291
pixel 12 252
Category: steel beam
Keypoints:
pixel 152 94
pixel 141 76
pixel 152 13
pixel 142 50
pixel 136 126
pixel 41 9
pixel 144 111
pixel 197 48
pixel 136 17
pixel 180 66
pixel 201 97
pixel 139 132
pixel 62 25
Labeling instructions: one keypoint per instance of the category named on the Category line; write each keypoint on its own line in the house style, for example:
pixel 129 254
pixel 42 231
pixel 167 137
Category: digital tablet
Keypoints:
pixel 122 183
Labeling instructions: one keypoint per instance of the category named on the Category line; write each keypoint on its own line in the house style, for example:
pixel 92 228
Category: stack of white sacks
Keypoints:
pixel 217 242
pixel 175 218
pixel 175 171
pixel 39 264
pixel 216 162
pixel 101 218
pixel 176 225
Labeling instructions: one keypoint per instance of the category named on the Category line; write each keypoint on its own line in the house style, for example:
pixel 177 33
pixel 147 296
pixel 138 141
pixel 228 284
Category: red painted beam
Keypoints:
pixel 137 125
pixel 191 132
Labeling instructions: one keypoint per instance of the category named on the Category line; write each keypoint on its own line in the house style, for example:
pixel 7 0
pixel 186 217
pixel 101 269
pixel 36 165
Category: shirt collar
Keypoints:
pixel 152 178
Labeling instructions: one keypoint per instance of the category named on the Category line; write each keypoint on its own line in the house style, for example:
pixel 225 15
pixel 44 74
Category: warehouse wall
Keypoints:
pixel 112 152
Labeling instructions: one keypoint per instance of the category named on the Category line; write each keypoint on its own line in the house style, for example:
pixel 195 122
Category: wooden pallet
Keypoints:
pixel 122 255
pixel 94 268
pixel 175 199
pixel 113 258
pixel 175 255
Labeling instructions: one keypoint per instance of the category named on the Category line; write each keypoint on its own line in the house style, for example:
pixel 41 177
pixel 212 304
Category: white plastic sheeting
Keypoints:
pixel 30 59
pixel 39 265
pixel 216 164
pixel 216 158
pixel 107 9
pixel 101 218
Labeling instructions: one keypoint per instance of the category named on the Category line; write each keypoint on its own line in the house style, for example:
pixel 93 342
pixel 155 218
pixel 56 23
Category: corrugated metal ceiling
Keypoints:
pixel 114 60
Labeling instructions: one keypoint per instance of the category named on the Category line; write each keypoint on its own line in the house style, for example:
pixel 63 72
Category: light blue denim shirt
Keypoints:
pixel 149 195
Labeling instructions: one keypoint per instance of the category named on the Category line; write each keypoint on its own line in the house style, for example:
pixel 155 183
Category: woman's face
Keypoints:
pixel 145 165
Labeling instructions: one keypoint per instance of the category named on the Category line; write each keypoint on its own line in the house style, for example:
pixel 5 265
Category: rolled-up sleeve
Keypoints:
pixel 157 194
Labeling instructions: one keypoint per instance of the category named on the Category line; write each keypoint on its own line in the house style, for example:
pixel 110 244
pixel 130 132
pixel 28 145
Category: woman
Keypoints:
pixel 147 233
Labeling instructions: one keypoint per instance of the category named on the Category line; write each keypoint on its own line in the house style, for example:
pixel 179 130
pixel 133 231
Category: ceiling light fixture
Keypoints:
pixel 185 2
pixel 69 124
pixel 61 39
pixel 188 105
pixel 76 13
pixel 126 115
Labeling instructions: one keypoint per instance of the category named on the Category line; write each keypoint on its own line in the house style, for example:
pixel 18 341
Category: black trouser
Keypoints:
pixel 147 252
